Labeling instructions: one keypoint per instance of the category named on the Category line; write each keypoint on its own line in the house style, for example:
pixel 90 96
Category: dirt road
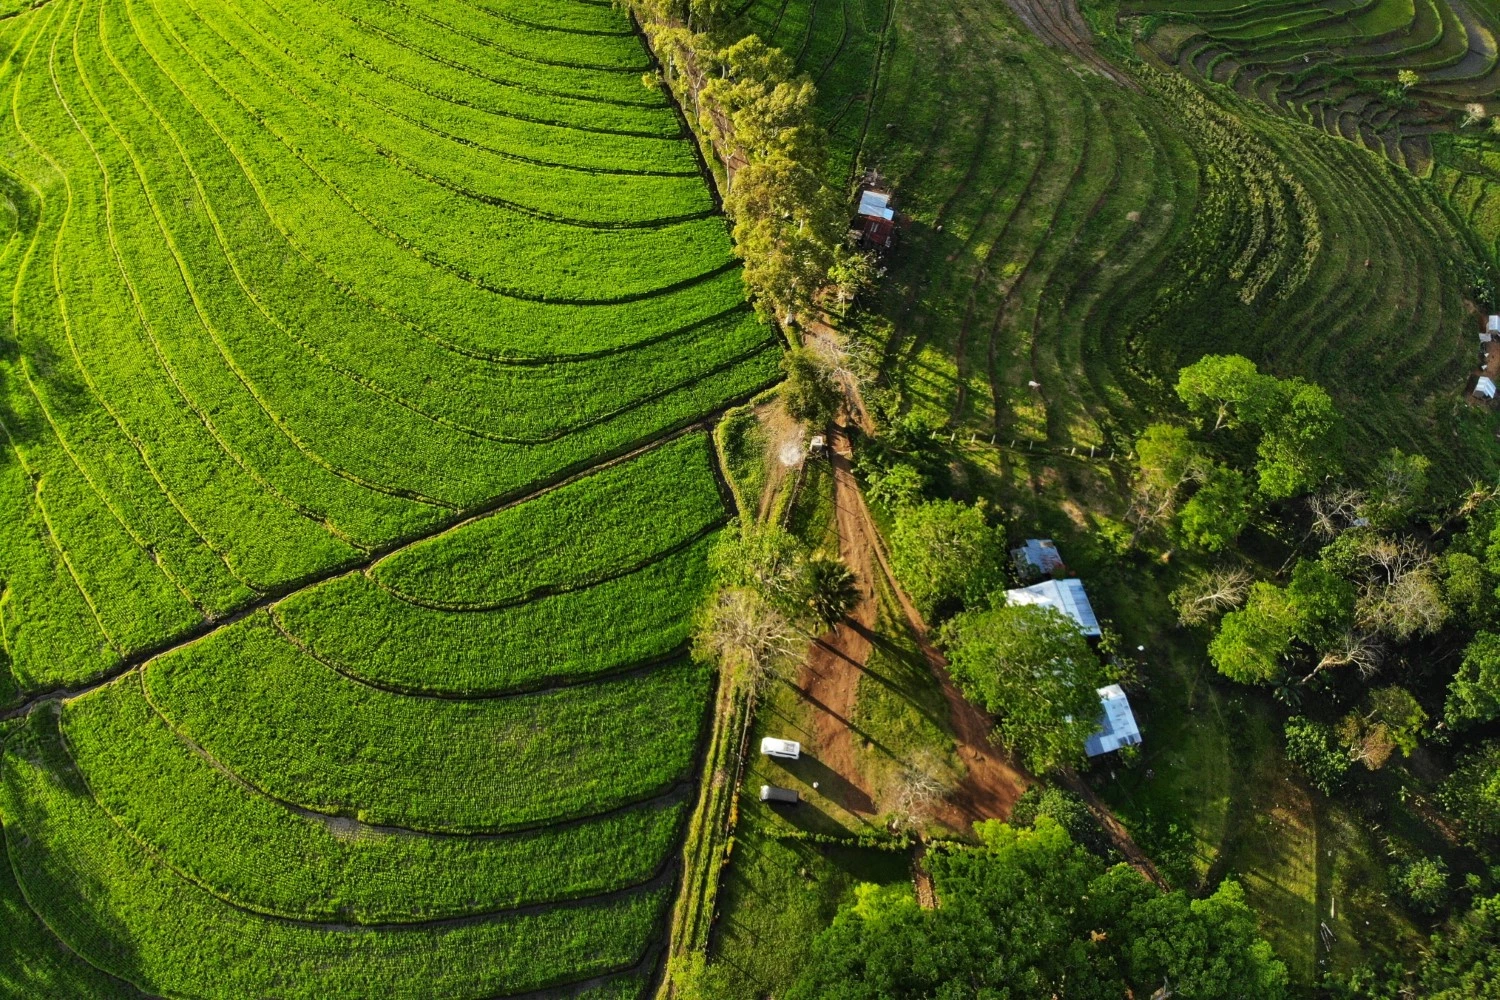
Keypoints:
pixel 830 677
pixel 1060 24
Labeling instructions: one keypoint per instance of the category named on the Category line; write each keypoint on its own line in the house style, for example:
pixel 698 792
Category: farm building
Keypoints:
pixel 876 219
pixel 1066 596
pixel 1117 725
pixel 1493 326
pixel 1037 558
pixel 1484 388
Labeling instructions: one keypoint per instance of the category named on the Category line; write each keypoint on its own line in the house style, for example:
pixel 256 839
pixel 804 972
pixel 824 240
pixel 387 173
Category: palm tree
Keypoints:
pixel 832 590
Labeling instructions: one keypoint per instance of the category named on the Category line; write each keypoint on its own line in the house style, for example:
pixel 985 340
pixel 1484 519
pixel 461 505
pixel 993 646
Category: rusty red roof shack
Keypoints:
pixel 875 221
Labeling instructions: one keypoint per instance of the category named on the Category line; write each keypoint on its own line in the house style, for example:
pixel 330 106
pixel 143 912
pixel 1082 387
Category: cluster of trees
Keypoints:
pixel 1032 914
pixel 791 228
pixel 1256 440
pixel 1386 590
pixel 771 596
pixel 1388 720
pixel 1462 962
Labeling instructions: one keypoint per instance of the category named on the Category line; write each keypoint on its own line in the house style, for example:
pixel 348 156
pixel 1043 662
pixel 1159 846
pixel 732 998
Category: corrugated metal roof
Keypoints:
pixel 1040 553
pixel 1117 725
pixel 1494 324
pixel 1485 387
pixel 876 205
pixel 1066 596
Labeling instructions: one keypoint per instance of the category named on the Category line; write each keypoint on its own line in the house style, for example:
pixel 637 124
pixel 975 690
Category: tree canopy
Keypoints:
pixel 1031 668
pixel 946 554
pixel 1474 692
pixel 809 391
pixel 1031 914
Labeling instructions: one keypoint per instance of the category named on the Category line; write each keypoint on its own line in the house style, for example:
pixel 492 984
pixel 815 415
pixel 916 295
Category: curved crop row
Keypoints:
pixel 357 499
pixel 127 914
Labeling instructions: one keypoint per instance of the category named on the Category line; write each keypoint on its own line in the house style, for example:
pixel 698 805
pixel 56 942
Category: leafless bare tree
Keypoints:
pixel 747 636
pixel 923 782
pixel 1210 593
pixel 1411 605
pixel 1334 510
pixel 1359 650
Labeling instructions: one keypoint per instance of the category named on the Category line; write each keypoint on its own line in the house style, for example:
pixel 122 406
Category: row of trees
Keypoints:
pixel 791 228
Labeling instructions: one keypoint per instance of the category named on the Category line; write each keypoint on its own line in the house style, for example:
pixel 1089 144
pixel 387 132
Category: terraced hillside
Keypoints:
pixel 1090 238
pixel 355 496
pixel 1336 64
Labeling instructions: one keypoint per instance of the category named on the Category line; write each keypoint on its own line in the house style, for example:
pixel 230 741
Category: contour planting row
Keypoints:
pixel 125 912
pixel 209 420
pixel 256 853
pixel 1337 68
pixel 250 814
pixel 1066 254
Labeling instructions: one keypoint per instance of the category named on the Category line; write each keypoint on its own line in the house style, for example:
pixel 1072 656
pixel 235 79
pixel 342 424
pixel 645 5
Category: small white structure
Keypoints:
pixel 1038 557
pixel 1117 726
pixel 819 446
pixel 785 749
pixel 1066 596
pixel 877 205
pixel 773 793
pixel 1493 326
pixel 1485 387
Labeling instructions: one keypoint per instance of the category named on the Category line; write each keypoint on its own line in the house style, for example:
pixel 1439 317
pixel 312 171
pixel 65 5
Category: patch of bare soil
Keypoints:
pixel 781 431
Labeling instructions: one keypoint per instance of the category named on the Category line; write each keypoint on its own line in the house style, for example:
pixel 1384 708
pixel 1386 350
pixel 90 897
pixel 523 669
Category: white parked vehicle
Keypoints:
pixel 785 749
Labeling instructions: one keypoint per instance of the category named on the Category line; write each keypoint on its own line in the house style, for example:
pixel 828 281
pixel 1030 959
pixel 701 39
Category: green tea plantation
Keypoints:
pixel 356 493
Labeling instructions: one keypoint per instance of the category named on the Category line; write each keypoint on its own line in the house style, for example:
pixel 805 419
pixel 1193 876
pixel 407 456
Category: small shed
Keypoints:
pixel 1117 725
pixel 1066 596
pixel 1038 557
pixel 775 793
pixel 785 749
pixel 819 446
pixel 1484 388
pixel 875 219
pixel 1493 326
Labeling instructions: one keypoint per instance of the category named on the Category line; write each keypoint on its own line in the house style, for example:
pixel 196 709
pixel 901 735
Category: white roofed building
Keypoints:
pixel 1038 557
pixel 1067 596
pixel 1117 725
pixel 1485 387
pixel 876 205
pixel 875 221
pixel 1493 326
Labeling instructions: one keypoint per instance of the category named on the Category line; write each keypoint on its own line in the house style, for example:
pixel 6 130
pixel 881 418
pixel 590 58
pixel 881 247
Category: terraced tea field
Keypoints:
pixel 356 494
pixel 1073 240
pixel 1336 64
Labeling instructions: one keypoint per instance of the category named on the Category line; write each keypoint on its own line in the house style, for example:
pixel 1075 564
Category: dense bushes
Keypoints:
pixel 1031 914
